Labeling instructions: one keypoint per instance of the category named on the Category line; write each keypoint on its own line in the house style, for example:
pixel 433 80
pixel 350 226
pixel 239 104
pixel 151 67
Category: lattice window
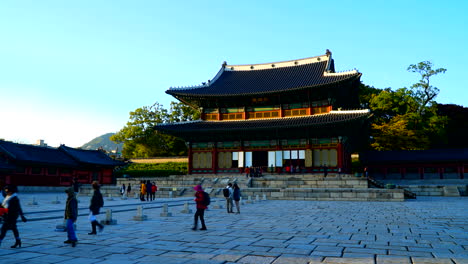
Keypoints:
pixel 211 117
pixel 308 158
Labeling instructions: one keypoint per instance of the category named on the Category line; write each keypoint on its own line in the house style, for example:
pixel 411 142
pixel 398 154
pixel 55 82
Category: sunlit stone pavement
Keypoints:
pixel 426 230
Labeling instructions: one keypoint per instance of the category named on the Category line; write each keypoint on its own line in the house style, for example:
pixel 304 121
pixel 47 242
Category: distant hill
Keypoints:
pixel 104 142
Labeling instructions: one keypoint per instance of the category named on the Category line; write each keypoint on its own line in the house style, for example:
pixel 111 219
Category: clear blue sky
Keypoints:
pixel 73 70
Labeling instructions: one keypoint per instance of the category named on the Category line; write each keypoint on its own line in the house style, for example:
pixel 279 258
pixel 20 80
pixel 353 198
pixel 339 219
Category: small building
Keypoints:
pixel 290 116
pixel 433 164
pixel 30 165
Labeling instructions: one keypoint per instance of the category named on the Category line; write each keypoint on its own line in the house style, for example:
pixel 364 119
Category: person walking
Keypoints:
pixel 12 205
pixel 76 185
pixel 142 191
pixel 154 189
pixel 227 192
pixel 71 214
pixel 236 195
pixel 94 206
pixel 149 189
pixel 129 190
pixel 201 207
pixel 325 170
pixel 123 189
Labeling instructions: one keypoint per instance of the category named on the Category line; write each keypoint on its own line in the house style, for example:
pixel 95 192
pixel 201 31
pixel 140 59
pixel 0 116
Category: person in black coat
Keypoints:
pixel 95 205
pixel 12 203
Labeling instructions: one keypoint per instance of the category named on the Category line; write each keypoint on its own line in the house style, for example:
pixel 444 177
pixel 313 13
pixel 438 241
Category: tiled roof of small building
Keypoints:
pixel 334 117
pixel 95 157
pixel 414 156
pixel 236 80
pixel 63 156
pixel 36 154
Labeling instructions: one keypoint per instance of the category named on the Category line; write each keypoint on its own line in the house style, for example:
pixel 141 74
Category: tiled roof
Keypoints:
pixel 416 156
pixel 95 157
pixel 320 120
pixel 237 80
pixel 63 156
pixel 36 154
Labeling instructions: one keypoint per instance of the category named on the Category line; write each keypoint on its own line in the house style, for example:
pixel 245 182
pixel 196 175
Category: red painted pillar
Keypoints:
pixel 190 159
pixel 214 159
pixel 340 155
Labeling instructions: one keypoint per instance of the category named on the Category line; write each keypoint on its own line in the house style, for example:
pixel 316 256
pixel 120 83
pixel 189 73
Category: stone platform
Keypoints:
pixel 334 187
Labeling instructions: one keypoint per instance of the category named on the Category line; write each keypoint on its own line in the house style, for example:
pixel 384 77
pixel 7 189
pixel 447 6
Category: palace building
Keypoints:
pixel 299 114
pixel 29 165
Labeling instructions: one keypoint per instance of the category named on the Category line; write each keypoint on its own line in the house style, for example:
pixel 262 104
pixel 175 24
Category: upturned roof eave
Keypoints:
pixel 256 128
pixel 288 90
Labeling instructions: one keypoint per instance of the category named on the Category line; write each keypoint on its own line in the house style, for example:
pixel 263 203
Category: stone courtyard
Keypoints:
pixel 424 230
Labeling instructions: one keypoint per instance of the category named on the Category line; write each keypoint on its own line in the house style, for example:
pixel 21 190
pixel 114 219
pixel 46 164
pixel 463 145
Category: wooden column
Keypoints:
pixel 340 156
pixel 190 158
pixel 214 158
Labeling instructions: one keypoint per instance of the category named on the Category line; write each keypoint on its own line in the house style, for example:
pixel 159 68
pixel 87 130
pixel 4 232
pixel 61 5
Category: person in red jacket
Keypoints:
pixel 154 189
pixel 201 207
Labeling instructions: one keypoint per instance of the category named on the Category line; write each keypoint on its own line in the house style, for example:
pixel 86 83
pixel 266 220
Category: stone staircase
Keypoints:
pixel 377 184
pixel 334 187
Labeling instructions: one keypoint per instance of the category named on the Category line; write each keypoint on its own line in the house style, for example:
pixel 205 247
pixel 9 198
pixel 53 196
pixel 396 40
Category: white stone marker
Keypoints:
pixel 56 201
pixel 165 211
pixel 109 220
pixel 186 209
pixel 139 216
pixel 264 197
pixel 110 198
pixel 33 202
pixel 217 205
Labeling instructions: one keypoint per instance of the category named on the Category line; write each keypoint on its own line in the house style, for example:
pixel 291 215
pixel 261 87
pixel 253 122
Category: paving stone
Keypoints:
pixel 366 250
pixel 326 253
pixel 357 255
pixel 460 261
pixel 331 260
pixel 417 260
pixel 296 259
pixel 328 248
pixel 381 259
pixel 408 253
pixel 256 259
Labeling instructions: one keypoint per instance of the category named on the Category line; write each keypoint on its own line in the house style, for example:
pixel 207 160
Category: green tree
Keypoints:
pixel 365 94
pixel 141 140
pixel 407 118
pixel 423 89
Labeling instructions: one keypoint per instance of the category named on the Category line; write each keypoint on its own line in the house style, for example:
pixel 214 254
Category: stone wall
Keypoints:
pixel 280 187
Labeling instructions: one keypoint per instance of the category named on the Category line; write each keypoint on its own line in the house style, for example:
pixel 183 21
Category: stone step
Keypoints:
pixel 451 191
